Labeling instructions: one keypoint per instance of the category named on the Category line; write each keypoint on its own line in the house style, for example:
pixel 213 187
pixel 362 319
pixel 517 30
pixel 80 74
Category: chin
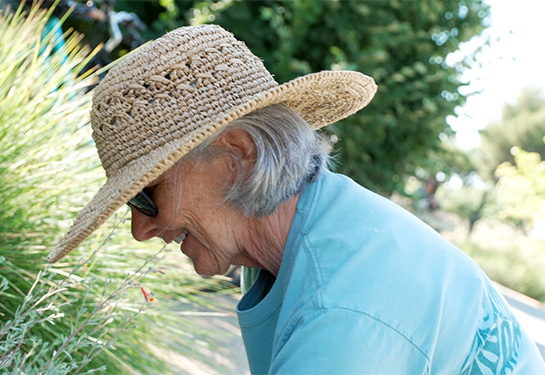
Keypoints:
pixel 205 271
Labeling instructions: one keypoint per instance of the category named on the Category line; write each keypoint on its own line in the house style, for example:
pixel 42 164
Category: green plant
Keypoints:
pixel 92 329
pixel 48 170
pixel 521 187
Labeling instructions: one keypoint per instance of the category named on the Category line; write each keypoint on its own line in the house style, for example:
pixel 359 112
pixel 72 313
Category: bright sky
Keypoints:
pixel 515 58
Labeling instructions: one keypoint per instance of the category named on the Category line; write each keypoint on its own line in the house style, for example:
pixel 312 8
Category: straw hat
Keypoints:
pixel 165 99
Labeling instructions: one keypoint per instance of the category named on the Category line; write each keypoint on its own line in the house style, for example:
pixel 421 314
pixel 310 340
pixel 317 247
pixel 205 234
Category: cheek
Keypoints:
pixel 168 201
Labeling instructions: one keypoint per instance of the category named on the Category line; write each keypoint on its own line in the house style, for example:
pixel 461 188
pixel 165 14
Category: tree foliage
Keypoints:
pixel 509 162
pixel 521 188
pixel 402 44
pixel 521 126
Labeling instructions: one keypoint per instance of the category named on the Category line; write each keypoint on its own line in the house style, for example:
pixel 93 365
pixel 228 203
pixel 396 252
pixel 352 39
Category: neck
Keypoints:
pixel 267 236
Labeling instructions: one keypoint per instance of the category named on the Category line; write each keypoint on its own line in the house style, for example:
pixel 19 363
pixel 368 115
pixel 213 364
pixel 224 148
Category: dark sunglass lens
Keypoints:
pixel 143 203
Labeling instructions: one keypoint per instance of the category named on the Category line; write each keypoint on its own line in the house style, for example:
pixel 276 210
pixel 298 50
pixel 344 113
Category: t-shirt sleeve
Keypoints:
pixel 342 341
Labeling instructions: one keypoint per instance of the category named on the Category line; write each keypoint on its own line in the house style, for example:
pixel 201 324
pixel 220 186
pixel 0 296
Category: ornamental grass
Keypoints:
pixel 105 304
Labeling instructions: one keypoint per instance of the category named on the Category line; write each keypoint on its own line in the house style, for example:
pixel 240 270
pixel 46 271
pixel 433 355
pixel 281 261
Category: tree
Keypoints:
pixel 520 194
pixel 521 126
pixel 402 44
pixel 511 147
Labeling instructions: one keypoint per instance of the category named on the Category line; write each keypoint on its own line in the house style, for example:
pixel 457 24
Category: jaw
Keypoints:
pixel 244 260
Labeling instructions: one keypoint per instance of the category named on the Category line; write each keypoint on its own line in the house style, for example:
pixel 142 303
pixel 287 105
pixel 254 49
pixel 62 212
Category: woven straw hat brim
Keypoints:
pixel 320 98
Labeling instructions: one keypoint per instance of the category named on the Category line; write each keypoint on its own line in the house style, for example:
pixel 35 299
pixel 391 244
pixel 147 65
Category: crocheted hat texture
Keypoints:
pixel 168 96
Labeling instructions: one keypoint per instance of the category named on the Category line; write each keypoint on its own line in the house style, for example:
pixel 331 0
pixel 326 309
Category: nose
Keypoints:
pixel 142 227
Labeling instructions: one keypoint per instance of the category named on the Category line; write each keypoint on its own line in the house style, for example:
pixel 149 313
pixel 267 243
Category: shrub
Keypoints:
pixel 70 317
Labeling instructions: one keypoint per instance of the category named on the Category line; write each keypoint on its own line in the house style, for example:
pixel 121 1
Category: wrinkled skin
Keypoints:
pixel 189 197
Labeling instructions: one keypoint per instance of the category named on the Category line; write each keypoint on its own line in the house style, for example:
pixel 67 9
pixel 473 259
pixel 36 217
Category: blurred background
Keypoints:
pixel 455 134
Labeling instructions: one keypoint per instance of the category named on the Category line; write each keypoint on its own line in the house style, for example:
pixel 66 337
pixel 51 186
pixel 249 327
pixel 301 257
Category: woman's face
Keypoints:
pixel 189 198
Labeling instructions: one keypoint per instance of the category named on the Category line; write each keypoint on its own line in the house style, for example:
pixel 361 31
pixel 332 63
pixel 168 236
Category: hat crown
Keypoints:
pixel 171 87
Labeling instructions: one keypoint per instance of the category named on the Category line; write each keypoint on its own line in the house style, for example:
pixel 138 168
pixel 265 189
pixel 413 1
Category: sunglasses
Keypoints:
pixel 143 203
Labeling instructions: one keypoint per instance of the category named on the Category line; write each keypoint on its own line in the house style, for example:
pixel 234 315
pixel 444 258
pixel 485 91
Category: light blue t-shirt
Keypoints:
pixel 366 288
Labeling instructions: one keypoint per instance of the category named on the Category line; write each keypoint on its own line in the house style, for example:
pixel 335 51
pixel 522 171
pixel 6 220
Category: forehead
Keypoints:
pixel 167 176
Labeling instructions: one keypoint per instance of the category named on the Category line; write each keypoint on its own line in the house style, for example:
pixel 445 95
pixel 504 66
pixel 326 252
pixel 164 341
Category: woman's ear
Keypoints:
pixel 239 142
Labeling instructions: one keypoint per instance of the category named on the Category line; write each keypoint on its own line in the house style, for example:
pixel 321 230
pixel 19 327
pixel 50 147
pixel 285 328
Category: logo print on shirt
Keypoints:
pixel 495 347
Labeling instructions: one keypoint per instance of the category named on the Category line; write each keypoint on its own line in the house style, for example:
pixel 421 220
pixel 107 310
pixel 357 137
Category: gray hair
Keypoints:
pixel 289 154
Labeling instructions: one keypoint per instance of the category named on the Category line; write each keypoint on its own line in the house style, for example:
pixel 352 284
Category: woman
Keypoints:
pixel 207 149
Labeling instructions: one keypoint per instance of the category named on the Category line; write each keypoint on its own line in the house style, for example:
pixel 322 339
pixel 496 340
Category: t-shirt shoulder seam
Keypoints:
pixel 315 267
